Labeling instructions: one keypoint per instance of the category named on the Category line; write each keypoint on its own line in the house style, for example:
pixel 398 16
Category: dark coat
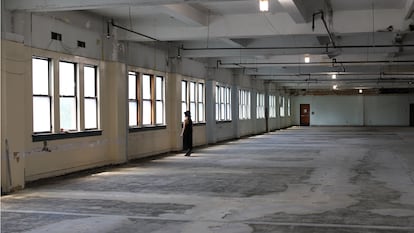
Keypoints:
pixel 188 134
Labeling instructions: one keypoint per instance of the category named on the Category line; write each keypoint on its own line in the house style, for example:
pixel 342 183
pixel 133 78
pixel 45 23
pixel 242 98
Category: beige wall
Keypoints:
pixel 27 159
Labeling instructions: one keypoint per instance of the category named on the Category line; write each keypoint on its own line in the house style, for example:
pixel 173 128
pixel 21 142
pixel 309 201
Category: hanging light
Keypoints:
pixel 264 5
pixel 360 91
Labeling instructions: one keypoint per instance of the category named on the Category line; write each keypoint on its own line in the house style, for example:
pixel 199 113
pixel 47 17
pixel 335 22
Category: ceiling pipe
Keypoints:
pixel 325 24
pixel 302 47
pixel 316 63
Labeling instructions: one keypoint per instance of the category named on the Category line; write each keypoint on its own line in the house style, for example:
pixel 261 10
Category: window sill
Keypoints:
pixel 147 128
pixel 66 135
pixel 223 122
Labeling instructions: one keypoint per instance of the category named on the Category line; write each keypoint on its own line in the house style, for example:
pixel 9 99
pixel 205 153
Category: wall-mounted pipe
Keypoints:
pixel 132 31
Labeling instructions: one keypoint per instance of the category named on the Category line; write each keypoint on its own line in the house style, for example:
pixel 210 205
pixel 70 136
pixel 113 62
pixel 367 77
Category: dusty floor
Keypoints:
pixel 320 180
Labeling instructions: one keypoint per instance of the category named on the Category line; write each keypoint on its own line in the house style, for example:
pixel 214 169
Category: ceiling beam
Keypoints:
pixel 64 5
pixel 296 9
pixel 186 14
pixel 409 8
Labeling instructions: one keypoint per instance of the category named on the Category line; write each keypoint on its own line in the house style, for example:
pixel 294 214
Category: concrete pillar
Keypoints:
pixel 211 111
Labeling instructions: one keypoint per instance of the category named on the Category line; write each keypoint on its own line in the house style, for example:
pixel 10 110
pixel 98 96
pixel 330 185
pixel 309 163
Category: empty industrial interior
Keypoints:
pixel 302 112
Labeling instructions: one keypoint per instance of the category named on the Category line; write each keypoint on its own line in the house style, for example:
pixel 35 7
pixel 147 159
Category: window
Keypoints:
pixel 91 97
pixel 146 99
pixel 272 106
pixel 57 100
pixel 184 98
pixel 133 100
pixel 200 102
pixel 42 98
pixel 288 106
pixel 223 103
pixel 67 96
pixel 244 105
pixel 159 100
pixel 282 105
pixel 260 111
pixel 192 99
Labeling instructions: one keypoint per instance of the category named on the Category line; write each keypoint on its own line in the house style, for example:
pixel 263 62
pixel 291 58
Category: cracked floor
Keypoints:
pixel 312 179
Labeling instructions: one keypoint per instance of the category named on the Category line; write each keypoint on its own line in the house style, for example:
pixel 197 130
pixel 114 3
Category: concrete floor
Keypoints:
pixel 322 180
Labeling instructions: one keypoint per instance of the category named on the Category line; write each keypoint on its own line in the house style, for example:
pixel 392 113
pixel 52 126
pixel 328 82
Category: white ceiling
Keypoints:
pixel 373 46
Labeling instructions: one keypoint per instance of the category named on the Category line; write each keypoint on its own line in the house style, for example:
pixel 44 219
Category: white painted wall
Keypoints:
pixel 360 110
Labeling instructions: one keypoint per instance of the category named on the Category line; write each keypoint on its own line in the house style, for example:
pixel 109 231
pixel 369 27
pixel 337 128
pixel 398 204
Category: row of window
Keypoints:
pixel 59 98
pixel 75 105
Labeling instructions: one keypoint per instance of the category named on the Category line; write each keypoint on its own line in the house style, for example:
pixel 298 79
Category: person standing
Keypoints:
pixel 187 133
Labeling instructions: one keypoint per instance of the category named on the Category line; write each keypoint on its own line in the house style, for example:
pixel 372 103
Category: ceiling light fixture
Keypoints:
pixel 307 59
pixel 333 76
pixel 360 91
pixel 335 87
pixel 264 5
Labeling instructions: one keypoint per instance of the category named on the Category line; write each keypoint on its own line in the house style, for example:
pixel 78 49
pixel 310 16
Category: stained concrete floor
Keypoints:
pixel 320 180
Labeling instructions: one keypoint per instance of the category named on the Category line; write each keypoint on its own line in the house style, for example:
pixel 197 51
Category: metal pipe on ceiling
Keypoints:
pixel 301 47
pixel 316 63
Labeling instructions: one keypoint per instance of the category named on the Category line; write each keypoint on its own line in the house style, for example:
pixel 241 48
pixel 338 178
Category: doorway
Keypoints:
pixel 412 115
pixel 304 114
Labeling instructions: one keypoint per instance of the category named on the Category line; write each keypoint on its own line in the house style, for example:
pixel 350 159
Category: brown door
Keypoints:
pixel 411 114
pixel 304 114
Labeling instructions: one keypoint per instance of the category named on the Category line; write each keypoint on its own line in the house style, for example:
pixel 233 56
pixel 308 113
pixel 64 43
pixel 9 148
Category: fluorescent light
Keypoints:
pixel 333 76
pixel 264 5
pixel 307 59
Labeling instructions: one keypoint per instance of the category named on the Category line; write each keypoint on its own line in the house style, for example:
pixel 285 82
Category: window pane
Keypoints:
pixel 192 91
pixel 90 114
pixel 217 111
pixel 40 74
pixel 146 87
pixel 146 112
pixel 183 91
pixel 41 114
pixel 68 113
pixel 183 109
pixel 159 88
pixel 67 78
pixel 89 80
pixel 192 108
pixel 133 113
pixel 160 112
pixel 200 112
pixel 132 86
pixel 200 92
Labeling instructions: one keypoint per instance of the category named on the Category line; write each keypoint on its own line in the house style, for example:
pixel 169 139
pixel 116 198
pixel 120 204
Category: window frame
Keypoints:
pixel 260 107
pixel 95 97
pixel 244 104
pixel 147 99
pixel 223 103
pixel 55 96
pixel 49 95
pixel 75 96
pixel 136 98
pixel 192 100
